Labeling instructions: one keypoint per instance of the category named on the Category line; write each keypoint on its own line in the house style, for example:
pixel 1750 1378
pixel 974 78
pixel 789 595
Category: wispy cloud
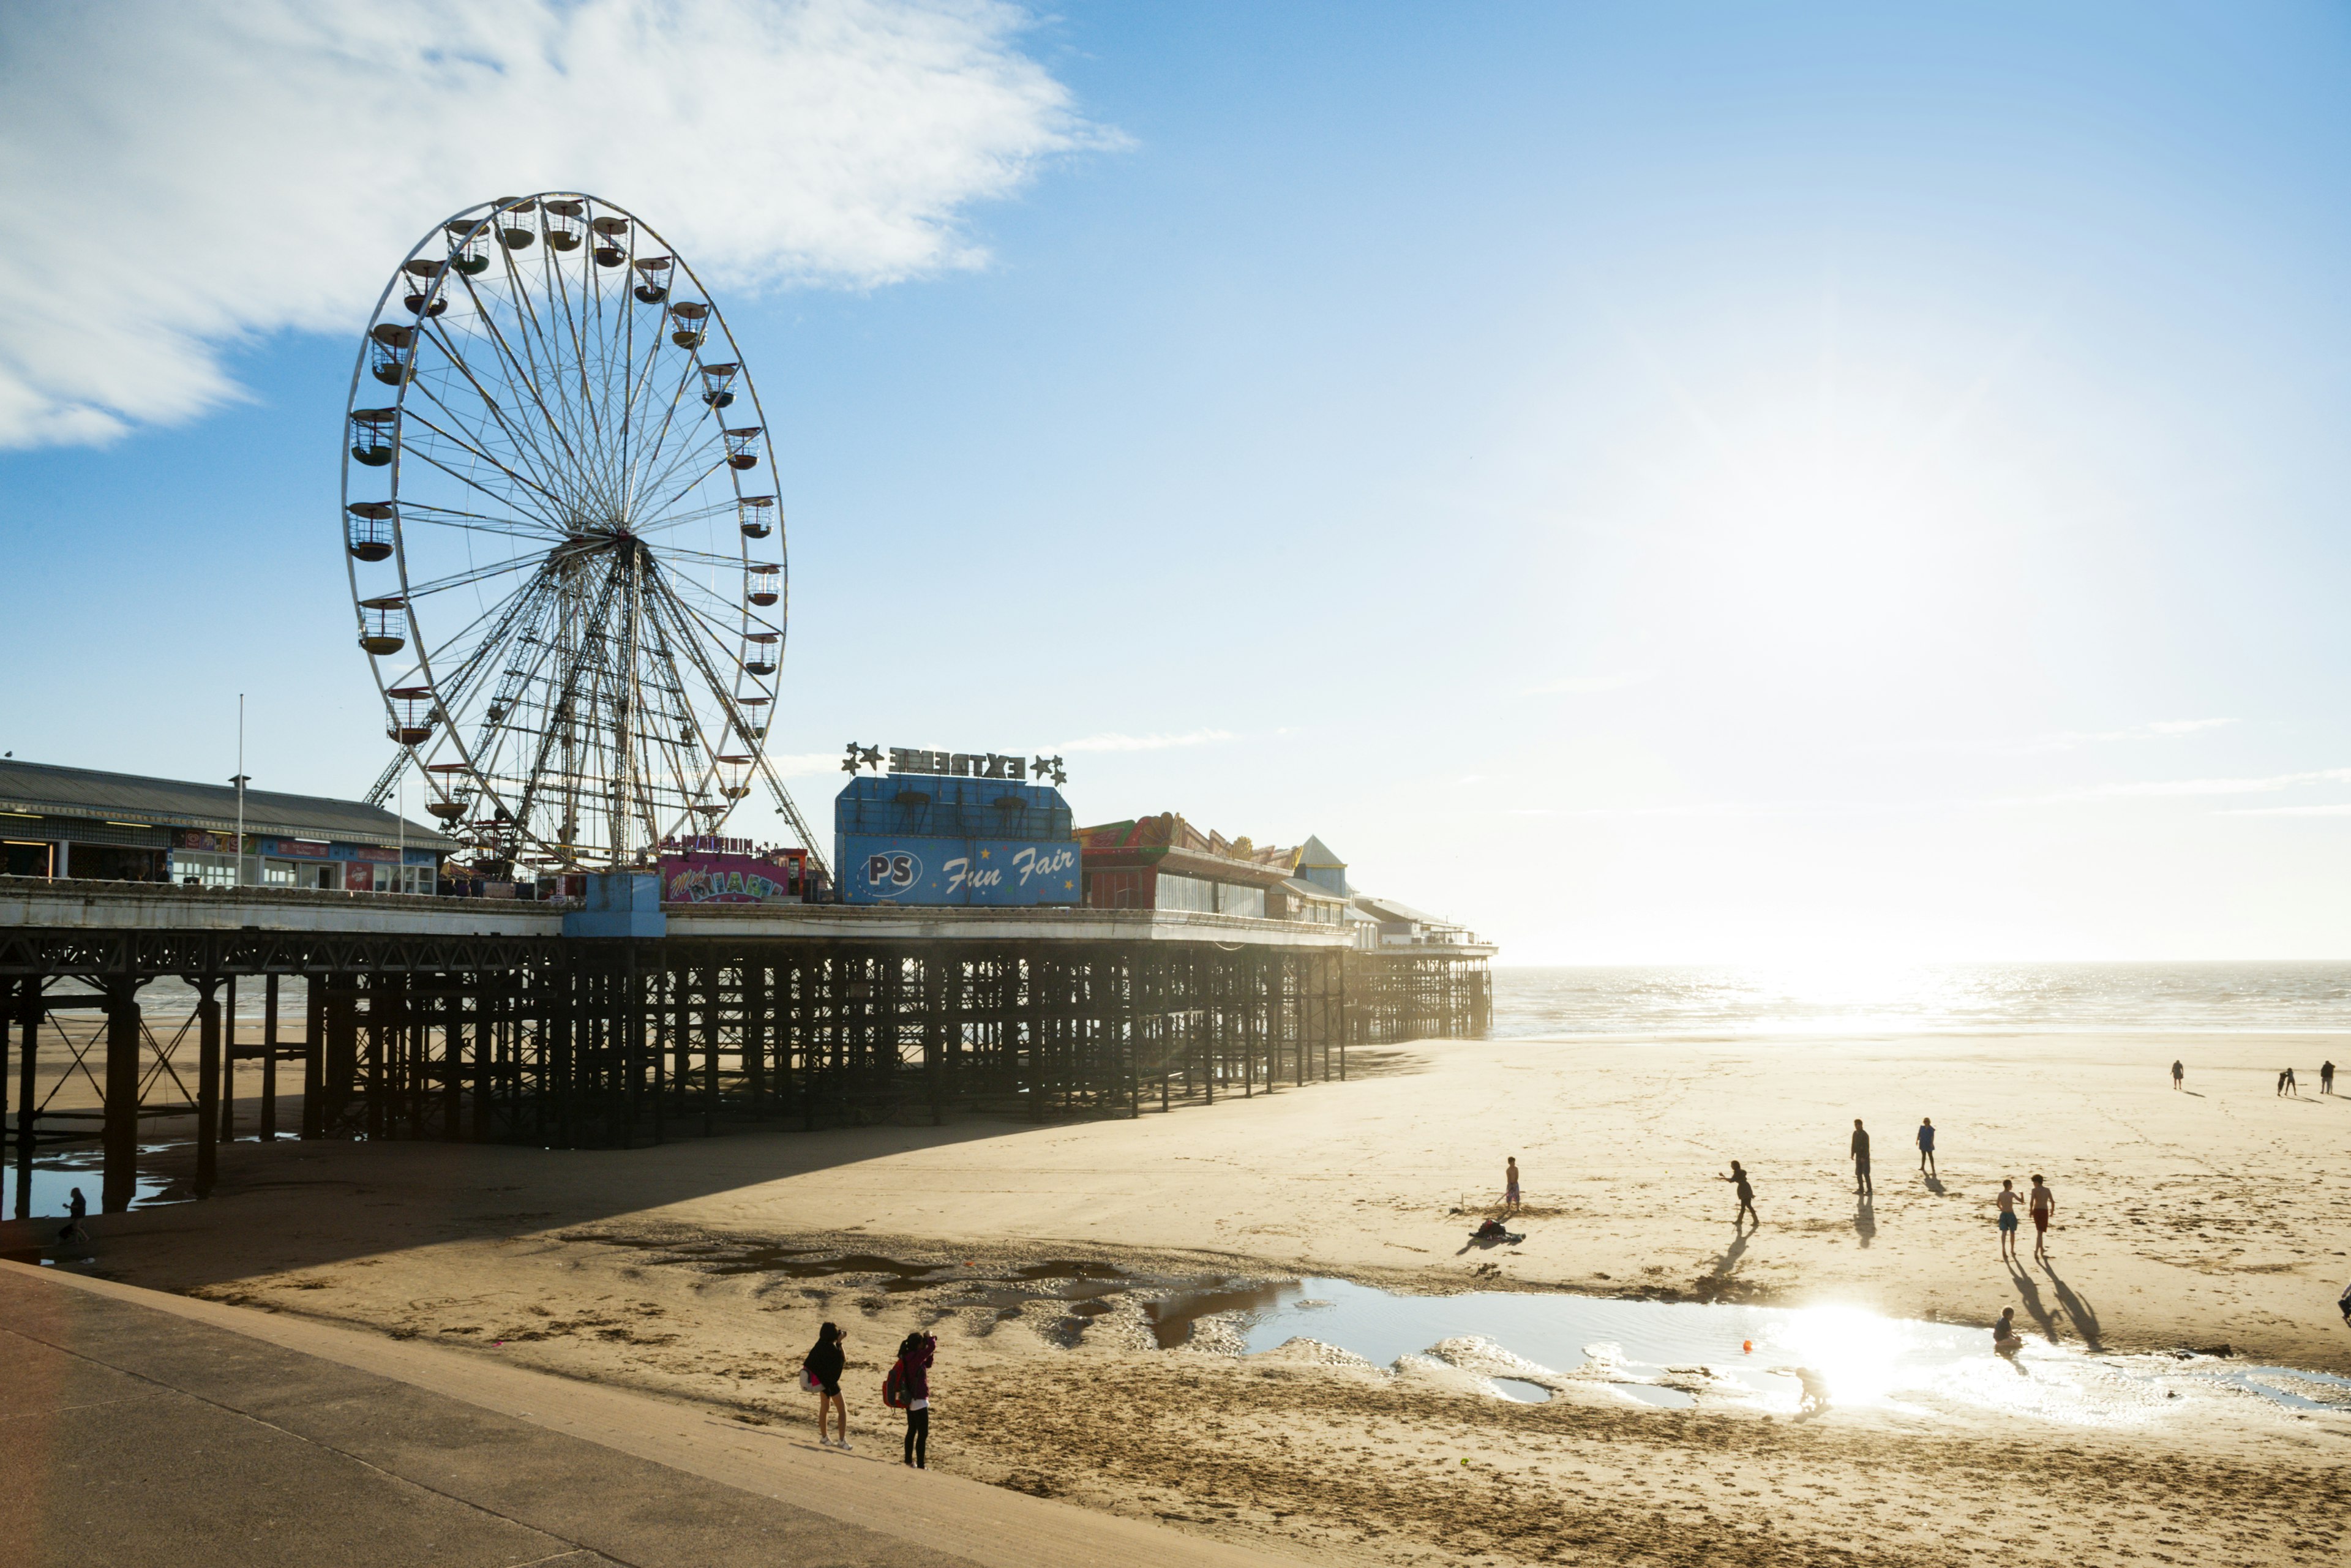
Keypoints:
pixel 805 764
pixel 222 169
pixel 2160 786
pixel 1579 684
pixel 2339 809
pixel 2060 740
pixel 1116 742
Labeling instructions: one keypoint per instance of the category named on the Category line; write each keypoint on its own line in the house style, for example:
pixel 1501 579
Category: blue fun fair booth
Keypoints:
pixel 922 839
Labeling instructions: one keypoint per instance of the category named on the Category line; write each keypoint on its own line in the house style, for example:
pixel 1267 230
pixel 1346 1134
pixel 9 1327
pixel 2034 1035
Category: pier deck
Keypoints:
pixel 477 1018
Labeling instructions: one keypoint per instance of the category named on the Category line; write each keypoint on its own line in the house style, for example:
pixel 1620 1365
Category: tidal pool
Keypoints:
pixel 1781 1359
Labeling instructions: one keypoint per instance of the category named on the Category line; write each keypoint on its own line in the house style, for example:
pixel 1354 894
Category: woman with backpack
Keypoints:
pixel 908 1388
pixel 821 1370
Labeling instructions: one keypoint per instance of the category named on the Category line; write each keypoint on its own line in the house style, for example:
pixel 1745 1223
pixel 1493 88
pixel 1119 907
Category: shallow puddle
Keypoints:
pixel 55 1176
pixel 1792 1360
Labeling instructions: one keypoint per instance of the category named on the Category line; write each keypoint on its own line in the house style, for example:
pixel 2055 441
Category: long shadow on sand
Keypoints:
pixel 291 1204
pixel 1935 1184
pixel 2084 1320
pixel 2030 1294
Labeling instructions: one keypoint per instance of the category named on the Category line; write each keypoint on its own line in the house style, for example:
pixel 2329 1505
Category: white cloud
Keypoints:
pixel 1580 684
pixel 2262 785
pixel 806 764
pixel 184 176
pixel 1114 742
pixel 2340 809
pixel 2062 741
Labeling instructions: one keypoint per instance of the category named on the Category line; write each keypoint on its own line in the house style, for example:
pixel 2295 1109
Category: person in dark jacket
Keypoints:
pixel 824 1364
pixel 915 1381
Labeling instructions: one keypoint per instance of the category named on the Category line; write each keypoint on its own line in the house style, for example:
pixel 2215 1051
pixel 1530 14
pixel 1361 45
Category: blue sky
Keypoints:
pixel 1819 483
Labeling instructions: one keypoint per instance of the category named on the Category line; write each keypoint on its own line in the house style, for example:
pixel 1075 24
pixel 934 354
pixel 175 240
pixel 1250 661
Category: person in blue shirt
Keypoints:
pixel 1927 1145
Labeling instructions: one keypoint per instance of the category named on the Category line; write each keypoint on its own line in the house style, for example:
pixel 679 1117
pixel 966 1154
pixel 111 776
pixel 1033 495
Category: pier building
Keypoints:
pixel 80 823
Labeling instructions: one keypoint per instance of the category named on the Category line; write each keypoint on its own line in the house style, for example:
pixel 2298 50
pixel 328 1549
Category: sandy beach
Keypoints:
pixel 2187 1220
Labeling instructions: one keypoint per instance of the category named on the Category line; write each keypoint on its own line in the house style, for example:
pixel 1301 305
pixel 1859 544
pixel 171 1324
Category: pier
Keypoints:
pixel 479 1020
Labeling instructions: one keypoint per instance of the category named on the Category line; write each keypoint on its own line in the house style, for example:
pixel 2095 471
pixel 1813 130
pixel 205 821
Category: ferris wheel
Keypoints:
pixel 565 548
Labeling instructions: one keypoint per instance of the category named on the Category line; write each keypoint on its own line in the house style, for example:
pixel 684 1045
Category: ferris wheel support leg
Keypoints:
pixel 389 777
pixel 792 815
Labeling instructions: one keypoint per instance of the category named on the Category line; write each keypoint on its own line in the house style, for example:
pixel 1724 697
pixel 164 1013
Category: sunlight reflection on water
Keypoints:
pixel 1864 998
pixel 1675 1353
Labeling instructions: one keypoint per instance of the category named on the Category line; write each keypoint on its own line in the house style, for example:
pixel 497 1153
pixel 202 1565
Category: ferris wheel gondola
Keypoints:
pixel 573 606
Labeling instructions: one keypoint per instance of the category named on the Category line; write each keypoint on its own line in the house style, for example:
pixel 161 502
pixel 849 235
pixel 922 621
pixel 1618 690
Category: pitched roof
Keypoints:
pixel 56 792
pixel 1315 855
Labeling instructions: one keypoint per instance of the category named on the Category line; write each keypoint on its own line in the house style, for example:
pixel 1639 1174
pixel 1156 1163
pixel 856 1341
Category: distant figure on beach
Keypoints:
pixel 2044 1210
pixel 2178 1072
pixel 1737 1178
pixel 2004 1337
pixel 2345 1304
pixel 77 1209
pixel 824 1363
pixel 2326 1078
pixel 908 1386
pixel 1511 1182
pixel 1927 1145
pixel 2286 1084
pixel 2008 1218
pixel 1861 1182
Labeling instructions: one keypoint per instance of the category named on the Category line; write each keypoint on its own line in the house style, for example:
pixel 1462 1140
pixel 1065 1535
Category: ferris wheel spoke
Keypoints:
pixel 675 553
pixel 522 451
pixel 522 484
pixel 724 506
pixel 473 522
pixel 591 427
pixel 551 463
pixel 677 395
pixel 475 574
pixel 536 340
pixel 718 688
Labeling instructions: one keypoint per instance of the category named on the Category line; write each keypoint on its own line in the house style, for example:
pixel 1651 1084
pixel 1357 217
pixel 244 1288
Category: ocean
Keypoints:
pixel 1733 999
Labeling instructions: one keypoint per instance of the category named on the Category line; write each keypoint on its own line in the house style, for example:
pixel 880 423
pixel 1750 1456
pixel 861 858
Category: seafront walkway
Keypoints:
pixel 138 1427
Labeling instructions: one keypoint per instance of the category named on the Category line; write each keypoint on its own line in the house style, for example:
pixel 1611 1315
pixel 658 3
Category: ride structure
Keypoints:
pixel 563 538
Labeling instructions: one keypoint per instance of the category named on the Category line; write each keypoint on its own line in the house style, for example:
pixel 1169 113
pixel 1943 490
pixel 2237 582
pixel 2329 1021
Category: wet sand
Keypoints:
pixel 700 1270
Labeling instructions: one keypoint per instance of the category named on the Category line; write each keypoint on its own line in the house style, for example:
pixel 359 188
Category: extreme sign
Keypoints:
pixel 956 764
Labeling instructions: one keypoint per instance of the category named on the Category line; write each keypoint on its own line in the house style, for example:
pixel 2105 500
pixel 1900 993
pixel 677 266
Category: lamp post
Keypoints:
pixel 240 782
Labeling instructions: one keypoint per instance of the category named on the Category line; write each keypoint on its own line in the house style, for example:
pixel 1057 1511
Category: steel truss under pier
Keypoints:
pixel 575 1043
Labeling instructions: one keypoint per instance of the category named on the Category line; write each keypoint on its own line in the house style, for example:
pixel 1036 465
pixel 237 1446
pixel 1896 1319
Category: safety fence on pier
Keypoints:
pixel 575 1044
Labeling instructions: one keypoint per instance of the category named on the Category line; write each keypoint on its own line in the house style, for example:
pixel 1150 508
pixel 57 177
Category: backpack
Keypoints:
pixel 893 1388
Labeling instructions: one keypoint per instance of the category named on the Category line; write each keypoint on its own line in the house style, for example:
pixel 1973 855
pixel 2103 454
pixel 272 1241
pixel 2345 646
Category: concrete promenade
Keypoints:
pixel 137 1429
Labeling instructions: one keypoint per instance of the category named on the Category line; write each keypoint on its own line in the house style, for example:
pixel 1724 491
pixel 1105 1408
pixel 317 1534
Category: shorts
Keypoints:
pixel 1511 1194
pixel 2007 1223
pixel 1861 1166
pixel 2040 1220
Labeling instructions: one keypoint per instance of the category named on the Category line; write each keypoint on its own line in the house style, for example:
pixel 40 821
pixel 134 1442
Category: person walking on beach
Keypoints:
pixel 2179 1073
pixel 910 1381
pixel 824 1364
pixel 1861 1182
pixel 2044 1210
pixel 2008 1218
pixel 1511 1182
pixel 2326 1078
pixel 1927 1145
pixel 77 1210
pixel 1737 1178
pixel 2286 1083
